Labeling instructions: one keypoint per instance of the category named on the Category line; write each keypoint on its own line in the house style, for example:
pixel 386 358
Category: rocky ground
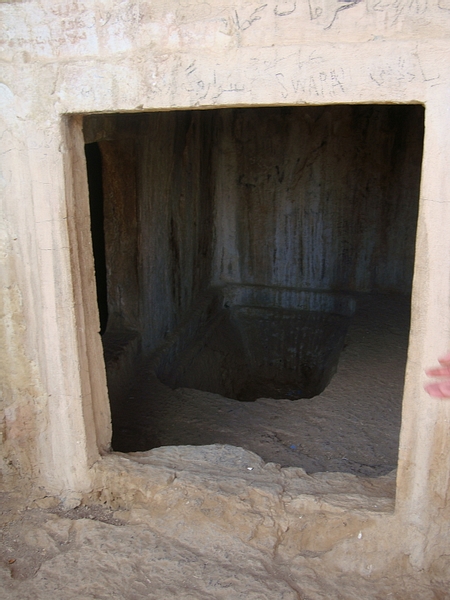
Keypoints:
pixel 92 552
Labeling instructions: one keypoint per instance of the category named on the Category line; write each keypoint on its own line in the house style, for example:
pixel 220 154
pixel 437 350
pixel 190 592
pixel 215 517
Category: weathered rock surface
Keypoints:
pixel 194 523
pixel 58 557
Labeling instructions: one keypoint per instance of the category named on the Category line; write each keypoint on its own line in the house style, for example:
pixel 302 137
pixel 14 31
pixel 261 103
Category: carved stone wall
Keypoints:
pixel 62 61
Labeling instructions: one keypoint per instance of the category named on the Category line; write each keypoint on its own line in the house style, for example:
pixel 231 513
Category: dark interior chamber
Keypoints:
pixel 237 243
pixel 260 342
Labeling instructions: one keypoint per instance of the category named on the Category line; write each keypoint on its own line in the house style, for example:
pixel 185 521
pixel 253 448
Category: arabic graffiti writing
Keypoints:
pixel 211 84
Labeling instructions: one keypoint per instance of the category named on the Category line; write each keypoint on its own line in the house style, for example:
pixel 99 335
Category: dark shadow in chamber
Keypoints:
pixel 260 342
pixel 95 183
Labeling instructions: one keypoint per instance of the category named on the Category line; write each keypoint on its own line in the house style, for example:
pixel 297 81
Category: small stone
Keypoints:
pixel 46 502
pixel 71 500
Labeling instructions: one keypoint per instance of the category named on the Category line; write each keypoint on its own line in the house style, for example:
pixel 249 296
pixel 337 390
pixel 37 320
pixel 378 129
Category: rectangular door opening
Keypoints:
pixel 254 270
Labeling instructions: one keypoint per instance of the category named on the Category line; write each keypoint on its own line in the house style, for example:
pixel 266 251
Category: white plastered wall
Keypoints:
pixel 59 59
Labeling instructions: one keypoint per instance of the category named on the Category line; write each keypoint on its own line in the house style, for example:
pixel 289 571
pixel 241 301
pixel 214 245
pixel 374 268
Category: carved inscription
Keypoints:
pixel 403 71
pixel 325 13
pixel 242 20
pixel 319 84
pixel 210 85
pixel 308 74
pixel 284 9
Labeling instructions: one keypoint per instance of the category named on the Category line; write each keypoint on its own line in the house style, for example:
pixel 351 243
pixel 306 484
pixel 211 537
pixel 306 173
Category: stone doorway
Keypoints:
pixel 238 240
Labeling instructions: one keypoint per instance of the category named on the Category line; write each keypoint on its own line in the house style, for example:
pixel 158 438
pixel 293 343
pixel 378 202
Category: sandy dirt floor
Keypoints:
pixel 353 426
